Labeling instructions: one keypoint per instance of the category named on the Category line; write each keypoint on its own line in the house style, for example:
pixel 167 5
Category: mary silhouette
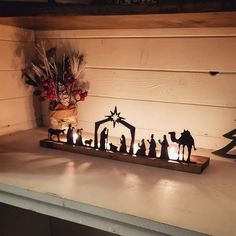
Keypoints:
pixel 123 147
pixel 103 137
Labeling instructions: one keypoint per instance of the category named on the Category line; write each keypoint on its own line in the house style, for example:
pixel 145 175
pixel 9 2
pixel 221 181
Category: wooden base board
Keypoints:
pixel 197 165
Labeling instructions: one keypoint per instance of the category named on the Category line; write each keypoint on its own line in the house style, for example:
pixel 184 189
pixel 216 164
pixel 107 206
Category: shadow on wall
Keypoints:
pixel 25 51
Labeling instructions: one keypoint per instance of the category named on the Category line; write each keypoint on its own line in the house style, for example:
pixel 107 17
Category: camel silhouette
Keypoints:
pixel 185 139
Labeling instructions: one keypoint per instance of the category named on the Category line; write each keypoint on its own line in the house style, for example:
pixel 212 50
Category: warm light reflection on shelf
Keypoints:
pixel 71 164
pixel 84 166
pixel 131 179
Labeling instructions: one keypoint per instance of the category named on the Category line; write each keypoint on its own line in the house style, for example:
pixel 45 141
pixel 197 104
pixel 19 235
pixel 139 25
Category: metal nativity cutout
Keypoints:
pixel 115 118
pixel 102 148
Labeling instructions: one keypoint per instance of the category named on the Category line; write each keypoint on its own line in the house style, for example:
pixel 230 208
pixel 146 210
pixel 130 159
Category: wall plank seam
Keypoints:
pixel 165 102
pixel 2 70
pixel 155 69
pixel 21 122
pixel 15 98
pixel 16 41
pixel 139 37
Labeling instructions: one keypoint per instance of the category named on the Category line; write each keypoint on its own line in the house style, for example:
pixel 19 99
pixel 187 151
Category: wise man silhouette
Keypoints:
pixel 164 148
pixel 142 149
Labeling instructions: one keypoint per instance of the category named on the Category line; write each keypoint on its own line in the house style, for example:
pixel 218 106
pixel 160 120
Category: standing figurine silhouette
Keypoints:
pixel 164 148
pixel 80 139
pixel 103 137
pixel 69 135
pixel 123 147
pixel 152 147
pixel 142 149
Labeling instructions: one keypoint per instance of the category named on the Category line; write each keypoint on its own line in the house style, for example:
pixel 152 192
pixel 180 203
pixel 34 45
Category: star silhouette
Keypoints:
pixel 115 117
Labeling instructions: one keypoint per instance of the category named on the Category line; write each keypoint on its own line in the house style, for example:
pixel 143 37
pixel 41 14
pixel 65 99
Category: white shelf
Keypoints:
pixel 118 197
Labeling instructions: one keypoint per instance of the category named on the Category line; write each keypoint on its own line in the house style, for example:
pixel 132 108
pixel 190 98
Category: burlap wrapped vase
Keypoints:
pixel 60 118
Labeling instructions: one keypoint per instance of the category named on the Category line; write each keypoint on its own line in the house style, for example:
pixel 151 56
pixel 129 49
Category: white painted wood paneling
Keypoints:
pixel 20 126
pixel 17 112
pixel 13 85
pixel 185 88
pixel 18 109
pixel 10 33
pixel 194 54
pixel 15 55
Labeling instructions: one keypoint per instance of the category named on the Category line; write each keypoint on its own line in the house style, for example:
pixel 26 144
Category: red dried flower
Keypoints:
pixel 83 95
pixel 42 78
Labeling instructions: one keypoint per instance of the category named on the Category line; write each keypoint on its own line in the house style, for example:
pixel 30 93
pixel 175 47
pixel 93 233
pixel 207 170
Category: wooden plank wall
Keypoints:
pixel 158 78
pixel 18 109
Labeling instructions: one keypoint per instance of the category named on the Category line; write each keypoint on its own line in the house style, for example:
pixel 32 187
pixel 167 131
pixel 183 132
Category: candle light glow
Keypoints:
pixel 135 147
pixel 173 153
pixel 75 136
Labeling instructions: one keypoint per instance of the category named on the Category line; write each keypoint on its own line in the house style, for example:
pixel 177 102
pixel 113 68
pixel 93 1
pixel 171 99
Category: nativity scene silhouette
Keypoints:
pixel 101 144
pixel 146 152
pixel 115 118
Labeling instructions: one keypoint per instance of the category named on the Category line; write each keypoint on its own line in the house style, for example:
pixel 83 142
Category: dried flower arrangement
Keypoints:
pixel 59 81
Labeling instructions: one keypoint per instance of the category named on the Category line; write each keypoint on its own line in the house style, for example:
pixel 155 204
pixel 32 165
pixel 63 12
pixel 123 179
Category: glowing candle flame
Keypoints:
pixel 75 136
pixel 107 146
pixel 135 147
pixel 173 153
